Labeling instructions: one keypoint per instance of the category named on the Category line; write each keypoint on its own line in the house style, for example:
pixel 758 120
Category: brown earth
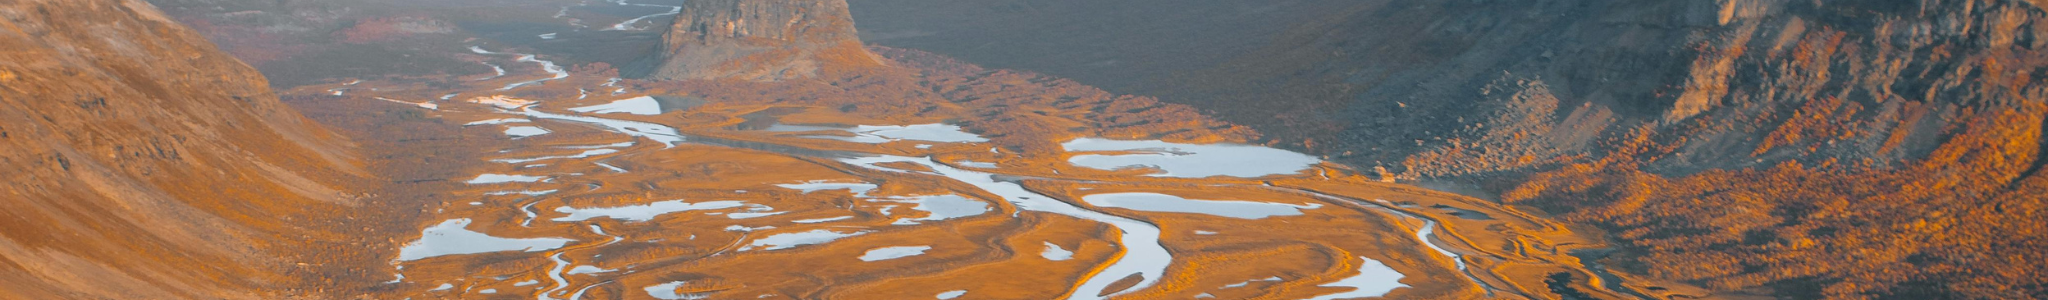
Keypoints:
pixel 144 163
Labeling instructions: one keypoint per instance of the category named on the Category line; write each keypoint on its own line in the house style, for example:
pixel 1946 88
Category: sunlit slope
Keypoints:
pixel 141 163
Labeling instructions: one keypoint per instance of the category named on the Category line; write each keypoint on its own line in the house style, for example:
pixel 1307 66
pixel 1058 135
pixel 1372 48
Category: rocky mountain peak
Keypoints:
pixel 760 40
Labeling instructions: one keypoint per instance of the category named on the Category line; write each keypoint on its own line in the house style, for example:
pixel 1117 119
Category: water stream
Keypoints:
pixel 1427 233
pixel 630 24
pixel 1142 253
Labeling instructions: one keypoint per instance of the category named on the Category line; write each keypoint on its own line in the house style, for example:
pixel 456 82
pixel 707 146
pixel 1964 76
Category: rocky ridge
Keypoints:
pixel 1804 149
pixel 759 41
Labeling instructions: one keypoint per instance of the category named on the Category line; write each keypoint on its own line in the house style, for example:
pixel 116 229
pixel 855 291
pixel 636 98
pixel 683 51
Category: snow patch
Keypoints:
pixel 503 178
pixel 452 237
pixel 640 213
pixel 1156 202
pixel 1053 252
pixel 524 131
pixel 888 253
pixel 794 239
pixel 642 105
pixel 1188 160
pixel 1374 279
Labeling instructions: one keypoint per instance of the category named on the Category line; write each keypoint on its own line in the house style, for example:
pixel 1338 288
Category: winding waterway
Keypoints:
pixel 1140 260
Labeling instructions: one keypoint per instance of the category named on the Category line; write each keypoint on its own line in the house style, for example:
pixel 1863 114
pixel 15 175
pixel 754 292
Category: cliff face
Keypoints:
pixel 1730 84
pixel 142 163
pixel 1378 82
pixel 1836 149
pixel 1798 148
pixel 758 40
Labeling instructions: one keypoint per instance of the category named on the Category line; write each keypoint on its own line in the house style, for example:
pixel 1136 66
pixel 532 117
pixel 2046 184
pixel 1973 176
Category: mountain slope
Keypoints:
pixel 144 163
pixel 1844 149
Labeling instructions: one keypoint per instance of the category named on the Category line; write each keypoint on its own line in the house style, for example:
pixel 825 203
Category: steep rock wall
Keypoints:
pixel 1803 149
pixel 759 40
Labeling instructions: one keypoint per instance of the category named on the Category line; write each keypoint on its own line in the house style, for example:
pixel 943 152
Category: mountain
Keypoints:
pixel 1788 149
pixel 758 40
pixel 143 163
pixel 1804 149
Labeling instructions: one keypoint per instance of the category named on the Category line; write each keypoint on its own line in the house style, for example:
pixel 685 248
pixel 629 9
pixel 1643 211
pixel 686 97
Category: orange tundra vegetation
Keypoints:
pixel 143 163
pixel 1833 231
pixel 1001 251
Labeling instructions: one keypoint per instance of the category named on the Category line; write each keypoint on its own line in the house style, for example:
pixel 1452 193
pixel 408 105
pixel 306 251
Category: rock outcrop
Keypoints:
pixel 142 163
pixel 1806 149
pixel 758 40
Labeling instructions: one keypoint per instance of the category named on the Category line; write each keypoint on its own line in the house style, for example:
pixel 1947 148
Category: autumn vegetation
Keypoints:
pixel 1962 222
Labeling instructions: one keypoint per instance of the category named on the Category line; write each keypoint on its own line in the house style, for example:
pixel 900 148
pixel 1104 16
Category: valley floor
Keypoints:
pixel 938 180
